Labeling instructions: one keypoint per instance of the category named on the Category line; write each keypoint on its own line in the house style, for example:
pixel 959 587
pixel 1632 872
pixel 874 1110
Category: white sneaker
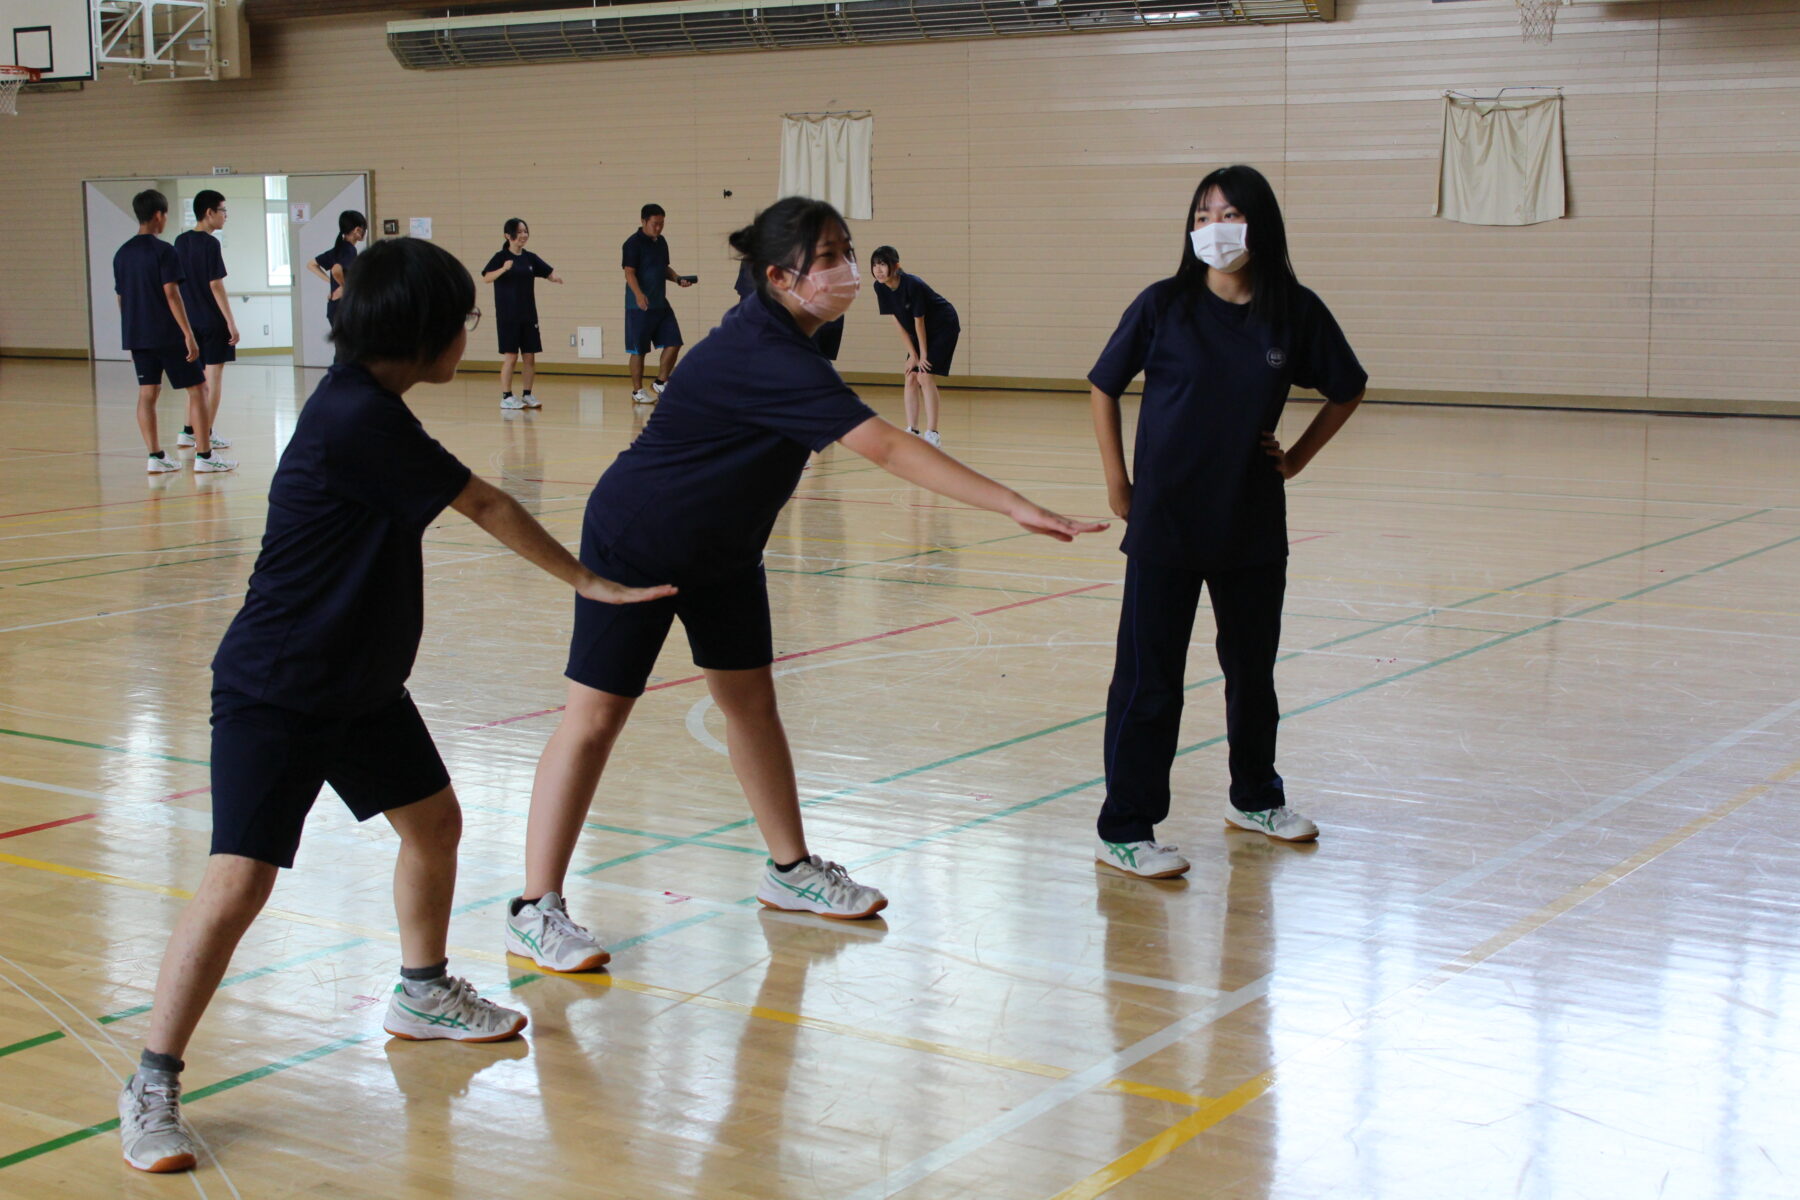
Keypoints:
pixel 450 1009
pixel 150 1128
pixel 1147 860
pixel 160 466
pixel 1282 824
pixel 931 435
pixel 659 386
pixel 530 401
pixel 638 397
pixel 203 465
pixel 511 402
pixel 543 933
pixel 817 886
pixel 219 440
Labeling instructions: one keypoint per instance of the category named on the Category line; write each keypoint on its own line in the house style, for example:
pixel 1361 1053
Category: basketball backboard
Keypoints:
pixel 54 36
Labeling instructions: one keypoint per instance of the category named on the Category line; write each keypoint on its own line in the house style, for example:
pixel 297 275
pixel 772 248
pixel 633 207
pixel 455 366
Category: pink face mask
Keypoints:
pixel 829 292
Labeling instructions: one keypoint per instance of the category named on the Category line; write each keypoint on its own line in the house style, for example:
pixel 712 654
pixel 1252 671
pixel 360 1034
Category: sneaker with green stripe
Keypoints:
pixel 449 1008
pixel 817 886
pixel 1146 860
pixel 1283 824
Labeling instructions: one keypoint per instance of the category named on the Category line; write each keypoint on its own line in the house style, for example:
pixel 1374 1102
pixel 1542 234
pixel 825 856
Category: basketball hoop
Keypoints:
pixel 11 80
pixel 1537 20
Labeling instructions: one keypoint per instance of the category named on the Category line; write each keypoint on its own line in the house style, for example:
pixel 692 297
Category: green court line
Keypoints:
pixel 984 819
pixel 146 567
pixel 63 562
pixel 211 1089
pixel 44 737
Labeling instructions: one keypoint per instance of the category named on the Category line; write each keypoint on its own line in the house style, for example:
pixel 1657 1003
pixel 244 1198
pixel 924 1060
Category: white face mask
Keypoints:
pixel 1222 245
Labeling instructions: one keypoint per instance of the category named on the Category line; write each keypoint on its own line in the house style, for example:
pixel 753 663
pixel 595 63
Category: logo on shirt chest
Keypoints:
pixel 1277 357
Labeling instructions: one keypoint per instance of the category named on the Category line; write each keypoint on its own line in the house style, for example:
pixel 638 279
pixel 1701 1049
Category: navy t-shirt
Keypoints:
pixel 1205 495
pixel 649 257
pixel 341 254
pixel 695 497
pixel 202 261
pixel 515 293
pixel 140 269
pixel 336 604
pixel 915 298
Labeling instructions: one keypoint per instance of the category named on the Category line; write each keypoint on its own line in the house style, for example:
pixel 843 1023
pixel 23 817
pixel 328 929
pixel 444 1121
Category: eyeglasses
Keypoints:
pixel 472 320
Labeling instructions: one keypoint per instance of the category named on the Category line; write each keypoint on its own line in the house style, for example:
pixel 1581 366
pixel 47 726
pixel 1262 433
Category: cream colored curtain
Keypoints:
pixel 1502 161
pixel 829 158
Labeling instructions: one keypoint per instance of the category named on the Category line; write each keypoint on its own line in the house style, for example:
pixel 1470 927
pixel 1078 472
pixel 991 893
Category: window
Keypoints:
pixel 281 271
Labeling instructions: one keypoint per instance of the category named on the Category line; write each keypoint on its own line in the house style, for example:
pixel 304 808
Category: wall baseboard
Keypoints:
pixel 1668 405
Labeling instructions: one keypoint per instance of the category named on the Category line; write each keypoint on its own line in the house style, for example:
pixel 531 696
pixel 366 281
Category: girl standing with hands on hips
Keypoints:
pixel 331 264
pixel 692 502
pixel 514 272
pixel 1219 345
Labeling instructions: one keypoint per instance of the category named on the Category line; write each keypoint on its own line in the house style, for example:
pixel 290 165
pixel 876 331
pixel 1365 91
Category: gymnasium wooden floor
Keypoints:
pixel 1542 686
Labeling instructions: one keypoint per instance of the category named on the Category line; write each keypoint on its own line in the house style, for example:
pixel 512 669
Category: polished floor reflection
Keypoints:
pixel 1542 678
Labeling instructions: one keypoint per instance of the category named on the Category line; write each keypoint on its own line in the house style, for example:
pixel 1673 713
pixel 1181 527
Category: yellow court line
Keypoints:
pixel 1151 1092
pixel 1185 1130
pixel 756 1011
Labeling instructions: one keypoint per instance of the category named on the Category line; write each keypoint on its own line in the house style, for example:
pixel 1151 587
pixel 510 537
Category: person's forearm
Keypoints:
pixel 180 311
pixel 490 276
pixel 1325 424
pixel 218 291
pixel 637 289
pixel 917 461
pixel 671 274
pixel 919 328
pixel 509 524
pixel 1108 431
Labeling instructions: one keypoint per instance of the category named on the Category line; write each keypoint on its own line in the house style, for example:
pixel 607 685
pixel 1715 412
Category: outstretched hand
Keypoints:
pixel 608 592
pixel 1063 529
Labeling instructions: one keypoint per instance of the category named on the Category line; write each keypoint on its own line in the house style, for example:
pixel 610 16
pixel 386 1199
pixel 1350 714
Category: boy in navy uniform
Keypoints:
pixel 649 320
pixel 930 329
pixel 1220 344
pixel 310 680
pixel 514 272
pixel 208 308
pixel 147 277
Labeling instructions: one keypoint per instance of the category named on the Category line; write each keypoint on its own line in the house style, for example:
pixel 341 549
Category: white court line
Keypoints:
pixel 121 612
pixel 13 537
pixel 141 812
pixel 1060 1093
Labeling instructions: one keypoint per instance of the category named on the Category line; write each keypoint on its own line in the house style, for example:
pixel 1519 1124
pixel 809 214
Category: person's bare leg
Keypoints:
pixel 425 875
pixel 530 370
pixel 761 758
pixel 146 416
pixel 233 890
pixel 506 370
pixel 199 419
pixel 215 389
pixel 637 371
pixel 912 400
pixel 928 394
pixel 667 366
pixel 567 775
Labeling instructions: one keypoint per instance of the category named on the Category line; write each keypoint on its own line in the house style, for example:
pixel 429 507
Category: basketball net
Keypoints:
pixel 1537 20
pixel 11 80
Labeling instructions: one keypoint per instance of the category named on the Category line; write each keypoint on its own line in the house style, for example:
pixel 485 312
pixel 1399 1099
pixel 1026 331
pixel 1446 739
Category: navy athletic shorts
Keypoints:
pixel 152 365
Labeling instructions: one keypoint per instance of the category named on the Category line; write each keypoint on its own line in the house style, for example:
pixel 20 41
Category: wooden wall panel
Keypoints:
pixel 1040 183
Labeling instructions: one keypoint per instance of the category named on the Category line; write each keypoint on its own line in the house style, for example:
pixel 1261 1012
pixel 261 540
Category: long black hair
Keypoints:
pixel 405 300
pixel 349 220
pixel 785 235
pixel 1272 281
pixel 511 229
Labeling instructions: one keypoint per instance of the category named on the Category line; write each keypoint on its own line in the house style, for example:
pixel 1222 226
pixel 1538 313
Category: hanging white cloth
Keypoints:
pixel 830 158
pixel 1502 161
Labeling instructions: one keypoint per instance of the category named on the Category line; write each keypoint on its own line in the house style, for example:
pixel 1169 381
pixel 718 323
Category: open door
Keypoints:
pixel 314 202
pixel 110 224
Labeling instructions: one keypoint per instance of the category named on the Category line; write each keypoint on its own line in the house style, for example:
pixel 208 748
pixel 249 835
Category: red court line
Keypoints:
pixel 873 637
pixel 183 795
pixel 48 825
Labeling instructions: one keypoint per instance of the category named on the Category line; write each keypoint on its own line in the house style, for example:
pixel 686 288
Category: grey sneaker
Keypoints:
pixel 1282 824
pixel 544 933
pixel 638 397
pixel 450 1009
pixel 1146 860
pixel 511 403
pixel 817 886
pixel 530 401
pixel 932 436
pixel 151 1132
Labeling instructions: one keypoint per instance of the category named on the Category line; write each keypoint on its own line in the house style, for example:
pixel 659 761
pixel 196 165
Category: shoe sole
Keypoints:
pixel 164 1166
pixel 1275 837
pixel 829 916
pixel 514 1032
pixel 1174 874
pixel 592 962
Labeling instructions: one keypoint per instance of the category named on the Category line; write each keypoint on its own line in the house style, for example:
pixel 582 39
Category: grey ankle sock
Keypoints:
pixel 419 981
pixel 166 1064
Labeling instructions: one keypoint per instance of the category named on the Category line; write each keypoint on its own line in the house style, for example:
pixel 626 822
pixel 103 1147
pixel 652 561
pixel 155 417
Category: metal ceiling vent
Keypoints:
pixel 731 26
